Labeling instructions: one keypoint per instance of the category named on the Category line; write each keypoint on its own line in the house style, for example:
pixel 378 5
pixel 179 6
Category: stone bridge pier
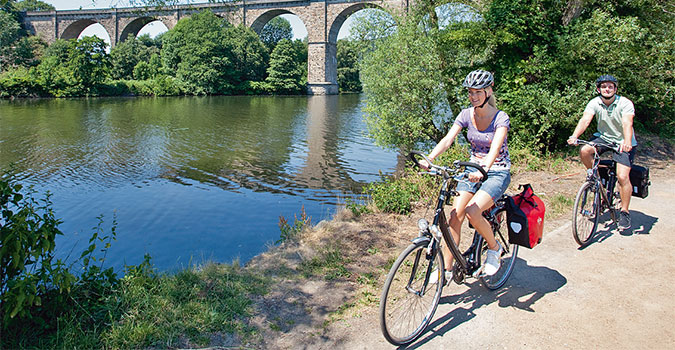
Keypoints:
pixel 322 19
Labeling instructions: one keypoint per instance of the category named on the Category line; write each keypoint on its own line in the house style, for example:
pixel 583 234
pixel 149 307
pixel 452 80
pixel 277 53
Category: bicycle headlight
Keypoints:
pixel 423 224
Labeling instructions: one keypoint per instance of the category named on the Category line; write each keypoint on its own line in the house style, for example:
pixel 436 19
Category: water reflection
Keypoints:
pixel 189 178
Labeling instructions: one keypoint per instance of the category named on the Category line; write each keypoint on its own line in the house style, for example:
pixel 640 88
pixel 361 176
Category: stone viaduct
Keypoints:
pixel 322 19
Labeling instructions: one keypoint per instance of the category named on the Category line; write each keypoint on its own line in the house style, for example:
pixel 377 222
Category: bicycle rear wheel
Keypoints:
pixel 509 255
pixel 407 303
pixel 586 213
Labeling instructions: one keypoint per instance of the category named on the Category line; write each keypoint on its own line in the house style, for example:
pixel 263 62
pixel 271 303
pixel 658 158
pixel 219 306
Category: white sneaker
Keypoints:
pixel 493 260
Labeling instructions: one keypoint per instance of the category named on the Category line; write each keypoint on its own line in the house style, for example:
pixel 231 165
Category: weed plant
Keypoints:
pixel 290 232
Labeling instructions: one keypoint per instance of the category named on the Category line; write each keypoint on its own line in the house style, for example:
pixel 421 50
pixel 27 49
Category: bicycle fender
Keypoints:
pixel 421 239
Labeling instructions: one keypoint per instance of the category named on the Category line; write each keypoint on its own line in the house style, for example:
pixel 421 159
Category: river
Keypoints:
pixel 188 179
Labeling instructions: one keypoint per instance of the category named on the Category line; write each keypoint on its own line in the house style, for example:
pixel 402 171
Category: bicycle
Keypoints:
pixel 596 195
pixel 410 295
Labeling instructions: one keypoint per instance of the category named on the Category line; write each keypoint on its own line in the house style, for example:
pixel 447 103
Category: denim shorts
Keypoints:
pixel 495 185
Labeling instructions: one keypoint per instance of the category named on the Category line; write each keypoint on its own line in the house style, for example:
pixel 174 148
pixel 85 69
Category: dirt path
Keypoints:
pixel 617 293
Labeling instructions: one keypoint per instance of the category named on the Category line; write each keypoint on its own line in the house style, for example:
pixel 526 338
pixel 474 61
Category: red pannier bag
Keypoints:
pixel 525 217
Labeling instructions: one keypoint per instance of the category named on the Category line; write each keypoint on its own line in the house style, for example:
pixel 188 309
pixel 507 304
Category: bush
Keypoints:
pixel 28 272
pixel 393 195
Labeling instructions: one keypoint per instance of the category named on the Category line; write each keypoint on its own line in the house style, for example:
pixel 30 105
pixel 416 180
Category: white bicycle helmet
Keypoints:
pixel 478 79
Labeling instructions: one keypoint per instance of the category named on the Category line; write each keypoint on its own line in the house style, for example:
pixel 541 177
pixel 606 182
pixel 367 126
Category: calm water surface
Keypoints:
pixel 189 179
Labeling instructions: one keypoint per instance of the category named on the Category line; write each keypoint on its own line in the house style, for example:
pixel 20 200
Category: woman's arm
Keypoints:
pixel 446 142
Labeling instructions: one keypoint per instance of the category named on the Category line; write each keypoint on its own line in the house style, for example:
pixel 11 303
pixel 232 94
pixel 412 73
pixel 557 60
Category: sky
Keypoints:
pixel 155 28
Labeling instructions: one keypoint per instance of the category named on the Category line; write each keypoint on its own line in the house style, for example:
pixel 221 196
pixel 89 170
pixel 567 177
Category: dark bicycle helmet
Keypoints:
pixel 605 78
pixel 478 79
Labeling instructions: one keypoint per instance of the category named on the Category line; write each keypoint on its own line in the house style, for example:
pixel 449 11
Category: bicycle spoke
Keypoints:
pixel 404 310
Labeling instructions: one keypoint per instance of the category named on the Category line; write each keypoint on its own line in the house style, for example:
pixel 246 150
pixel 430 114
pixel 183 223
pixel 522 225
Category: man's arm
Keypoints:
pixel 627 122
pixel 584 122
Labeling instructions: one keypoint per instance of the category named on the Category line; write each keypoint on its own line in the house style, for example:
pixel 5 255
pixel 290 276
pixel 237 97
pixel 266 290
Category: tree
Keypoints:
pixel 249 57
pixel 10 31
pixel 406 101
pixel 197 50
pixel 285 73
pixel 126 56
pixel 74 67
pixel 347 66
pixel 276 30
pixel 33 5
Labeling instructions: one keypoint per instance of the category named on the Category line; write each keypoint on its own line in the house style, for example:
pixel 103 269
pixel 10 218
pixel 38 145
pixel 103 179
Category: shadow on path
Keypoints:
pixel 641 224
pixel 525 287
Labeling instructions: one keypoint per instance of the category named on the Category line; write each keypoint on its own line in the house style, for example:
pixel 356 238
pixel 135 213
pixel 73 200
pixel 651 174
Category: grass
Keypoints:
pixel 329 263
pixel 559 204
pixel 151 310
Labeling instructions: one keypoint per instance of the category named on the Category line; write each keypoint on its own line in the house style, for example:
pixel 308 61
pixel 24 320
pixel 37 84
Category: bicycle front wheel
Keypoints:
pixel 586 213
pixel 409 299
pixel 509 255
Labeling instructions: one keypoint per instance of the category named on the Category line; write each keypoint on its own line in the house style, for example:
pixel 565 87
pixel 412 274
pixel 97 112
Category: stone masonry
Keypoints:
pixel 322 19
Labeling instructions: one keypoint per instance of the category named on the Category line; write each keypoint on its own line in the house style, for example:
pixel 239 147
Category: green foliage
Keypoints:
pixel 285 74
pixel 347 66
pixel 10 31
pixel 153 310
pixel 249 58
pixel 74 67
pixel 19 82
pixel 33 5
pixel 211 56
pixel 406 101
pixel 28 270
pixel 545 57
pixel 198 52
pixel 128 54
pixel 276 30
pixel 356 208
pixel 393 195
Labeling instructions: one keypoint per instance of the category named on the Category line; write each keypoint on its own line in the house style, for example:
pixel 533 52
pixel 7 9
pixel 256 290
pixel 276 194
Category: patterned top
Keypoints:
pixel 482 139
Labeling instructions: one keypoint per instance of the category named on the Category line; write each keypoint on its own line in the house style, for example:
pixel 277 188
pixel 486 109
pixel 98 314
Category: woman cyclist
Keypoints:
pixel 487 129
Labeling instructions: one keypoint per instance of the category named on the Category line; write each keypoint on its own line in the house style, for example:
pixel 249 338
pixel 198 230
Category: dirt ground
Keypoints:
pixel 617 293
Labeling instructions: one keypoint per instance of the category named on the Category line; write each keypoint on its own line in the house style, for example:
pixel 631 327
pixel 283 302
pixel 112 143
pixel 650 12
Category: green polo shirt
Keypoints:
pixel 610 127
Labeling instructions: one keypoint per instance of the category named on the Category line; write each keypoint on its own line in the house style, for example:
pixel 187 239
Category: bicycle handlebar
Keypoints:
pixel 437 169
pixel 611 146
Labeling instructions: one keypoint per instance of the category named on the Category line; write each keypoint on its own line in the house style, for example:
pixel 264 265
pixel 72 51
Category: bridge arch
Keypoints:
pixel 76 28
pixel 341 17
pixel 259 22
pixel 132 28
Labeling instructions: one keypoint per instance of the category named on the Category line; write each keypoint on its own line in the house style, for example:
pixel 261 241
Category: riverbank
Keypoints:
pixel 334 304
pixel 321 287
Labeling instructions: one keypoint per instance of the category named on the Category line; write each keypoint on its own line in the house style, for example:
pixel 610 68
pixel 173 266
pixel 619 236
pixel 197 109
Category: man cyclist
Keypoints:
pixel 615 126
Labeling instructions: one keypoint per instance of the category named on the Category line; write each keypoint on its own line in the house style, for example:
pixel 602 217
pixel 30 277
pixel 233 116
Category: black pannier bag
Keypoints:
pixel 639 179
